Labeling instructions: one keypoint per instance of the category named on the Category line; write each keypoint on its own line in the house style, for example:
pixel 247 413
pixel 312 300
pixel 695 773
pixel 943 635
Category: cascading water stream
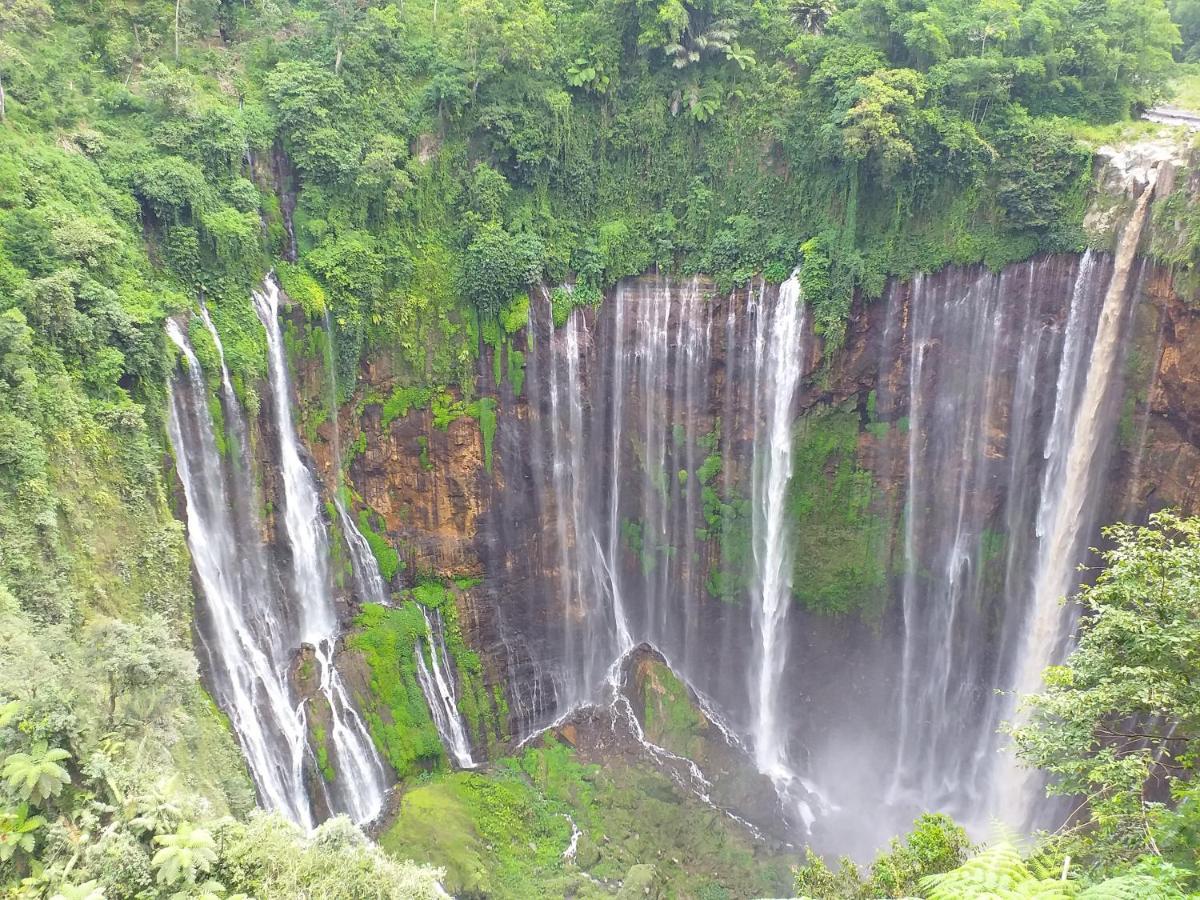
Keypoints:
pixel 1003 487
pixel 361 780
pixel 1067 494
pixel 982 446
pixel 236 624
pixel 630 564
pixel 437 683
pixel 779 363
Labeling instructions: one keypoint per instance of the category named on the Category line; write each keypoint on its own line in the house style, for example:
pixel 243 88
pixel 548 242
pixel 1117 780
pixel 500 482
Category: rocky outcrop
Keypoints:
pixel 654 719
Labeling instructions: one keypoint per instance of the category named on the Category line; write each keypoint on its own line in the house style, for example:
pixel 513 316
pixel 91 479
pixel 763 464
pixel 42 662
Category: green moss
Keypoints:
pixel 709 469
pixel 515 316
pixel 423 444
pixel 446 409
pixel 357 448
pixel 727 523
pixel 564 301
pixel 838 540
pixel 385 554
pixel 485 410
pixel 670 718
pixel 298 284
pixel 402 400
pixel 323 762
pixel 340 564
pixel 516 369
pixel 396 712
pixel 431 594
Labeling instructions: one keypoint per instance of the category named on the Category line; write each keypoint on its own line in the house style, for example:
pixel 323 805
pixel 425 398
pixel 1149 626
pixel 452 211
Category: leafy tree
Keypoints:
pixel 811 16
pixel 497 265
pixel 935 845
pixel 37 775
pixel 1119 722
pixel 880 123
pixel 141 667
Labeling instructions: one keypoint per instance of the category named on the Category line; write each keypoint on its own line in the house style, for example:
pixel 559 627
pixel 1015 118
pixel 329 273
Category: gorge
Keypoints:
pixel 697 449
pixel 639 489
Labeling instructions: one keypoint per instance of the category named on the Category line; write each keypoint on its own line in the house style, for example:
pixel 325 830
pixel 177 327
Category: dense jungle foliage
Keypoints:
pixel 412 167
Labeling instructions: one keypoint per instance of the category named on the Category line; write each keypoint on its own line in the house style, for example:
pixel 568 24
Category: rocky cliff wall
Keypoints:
pixel 423 472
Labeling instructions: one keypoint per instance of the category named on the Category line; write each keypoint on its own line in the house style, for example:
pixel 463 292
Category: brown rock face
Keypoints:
pixel 1162 452
pixel 449 516
pixel 427 484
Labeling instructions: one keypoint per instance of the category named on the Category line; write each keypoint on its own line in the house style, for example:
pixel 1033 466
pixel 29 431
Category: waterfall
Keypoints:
pixel 1010 401
pixel 436 679
pixel 238 616
pixel 626 424
pixel 437 683
pixel 661 436
pixel 598 633
pixel 1079 428
pixel 361 780
pixel 779 363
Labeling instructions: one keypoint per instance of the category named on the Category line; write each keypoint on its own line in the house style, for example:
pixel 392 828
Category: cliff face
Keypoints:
pixel 1161 443
pixel 613 500
pixel 450 516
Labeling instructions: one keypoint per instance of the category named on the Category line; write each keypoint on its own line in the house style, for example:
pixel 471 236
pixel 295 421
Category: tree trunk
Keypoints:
pixel 337 62
pixel 2 116
pixel 177 2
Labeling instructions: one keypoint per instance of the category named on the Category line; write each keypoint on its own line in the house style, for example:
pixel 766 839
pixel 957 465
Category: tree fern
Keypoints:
pixel 37 775
pixel 185 853
pixel 998 872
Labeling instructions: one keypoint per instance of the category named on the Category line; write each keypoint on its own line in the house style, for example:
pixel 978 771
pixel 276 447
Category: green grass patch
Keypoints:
pixel 396 712
pixel 502 833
